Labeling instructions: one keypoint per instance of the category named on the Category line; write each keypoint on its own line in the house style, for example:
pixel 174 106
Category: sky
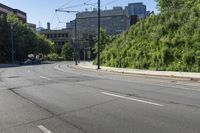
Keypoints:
pixel 40 12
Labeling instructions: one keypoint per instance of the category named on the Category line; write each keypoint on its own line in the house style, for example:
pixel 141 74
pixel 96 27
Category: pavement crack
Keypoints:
pixel 52 115
pixel 118 92
pixel 169 102
pixel 142 97
pixel 22 124
pixel 24 98
pixel 89 107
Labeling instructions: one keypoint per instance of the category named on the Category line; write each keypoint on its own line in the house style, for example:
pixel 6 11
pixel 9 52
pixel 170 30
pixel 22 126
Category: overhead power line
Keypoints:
pixel 111 2
pixel 77 5
pixel 67 3
pixel 52 20
pixel 90 4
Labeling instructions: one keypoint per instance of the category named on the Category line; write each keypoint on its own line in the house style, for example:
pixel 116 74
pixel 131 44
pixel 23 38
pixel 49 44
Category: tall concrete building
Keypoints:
pixel 70 25
pixel 113 21
pixel 4 10
pixel 136 9
pixel 59 37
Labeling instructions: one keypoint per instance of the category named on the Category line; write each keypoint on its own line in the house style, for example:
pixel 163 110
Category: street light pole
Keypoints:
pixel 75 34
pixel 99 43
pixel 12 43
pixel 76 54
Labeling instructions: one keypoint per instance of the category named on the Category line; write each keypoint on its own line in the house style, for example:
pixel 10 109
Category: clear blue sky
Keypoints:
pixel 42 11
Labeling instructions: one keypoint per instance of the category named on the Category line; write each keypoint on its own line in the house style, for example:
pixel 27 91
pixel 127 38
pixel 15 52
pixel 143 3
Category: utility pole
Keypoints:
pixel 12 43
pixel 84 53
pixel 99 43
pixel 75 34
pixel 76 53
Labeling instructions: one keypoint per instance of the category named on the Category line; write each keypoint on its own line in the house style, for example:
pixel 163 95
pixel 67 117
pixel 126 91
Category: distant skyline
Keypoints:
pixel 40 12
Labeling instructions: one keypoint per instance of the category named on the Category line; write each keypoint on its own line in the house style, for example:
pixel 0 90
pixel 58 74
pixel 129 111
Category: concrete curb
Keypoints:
pixel 186 75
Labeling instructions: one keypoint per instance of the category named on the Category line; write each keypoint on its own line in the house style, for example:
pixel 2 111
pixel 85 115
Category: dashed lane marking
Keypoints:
pixel 45 78
pixel 132 99
pixel 44 129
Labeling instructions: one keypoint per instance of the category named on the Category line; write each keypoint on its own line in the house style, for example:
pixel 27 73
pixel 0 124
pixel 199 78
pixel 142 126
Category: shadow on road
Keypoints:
pixel 19 65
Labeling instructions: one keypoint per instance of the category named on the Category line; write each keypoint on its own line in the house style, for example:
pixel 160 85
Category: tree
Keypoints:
pixel 67 52
pixel 5 52
pixel 26 41
pixel 169 5
pixel 104 40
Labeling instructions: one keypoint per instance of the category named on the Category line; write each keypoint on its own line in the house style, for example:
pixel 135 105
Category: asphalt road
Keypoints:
pixel 59 98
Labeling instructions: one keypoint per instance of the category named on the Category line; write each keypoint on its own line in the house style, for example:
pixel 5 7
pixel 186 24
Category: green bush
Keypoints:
pixel 54 57
pixel 167 41
pixel 67 52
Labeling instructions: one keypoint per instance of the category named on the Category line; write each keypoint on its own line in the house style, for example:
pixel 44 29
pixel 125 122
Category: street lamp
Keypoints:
pixel 12 42
pixel 76 47
pixel 99 26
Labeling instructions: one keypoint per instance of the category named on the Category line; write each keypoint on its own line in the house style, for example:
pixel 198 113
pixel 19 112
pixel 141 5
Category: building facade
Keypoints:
pixel 4 10
pixel 113 21
pixel 31 26
pixel 70 25
pixel 137 9
pixel 59 37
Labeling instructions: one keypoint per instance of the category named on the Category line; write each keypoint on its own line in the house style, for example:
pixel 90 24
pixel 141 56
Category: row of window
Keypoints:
pixel 51 36
pixel 60 43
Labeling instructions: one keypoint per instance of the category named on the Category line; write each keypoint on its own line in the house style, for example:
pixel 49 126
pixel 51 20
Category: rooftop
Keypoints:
pixel 9 9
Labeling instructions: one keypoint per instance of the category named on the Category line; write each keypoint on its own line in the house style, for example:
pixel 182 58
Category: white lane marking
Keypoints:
pixel 29 71
pixel 44 129
pixel 132 99
pixel 45 78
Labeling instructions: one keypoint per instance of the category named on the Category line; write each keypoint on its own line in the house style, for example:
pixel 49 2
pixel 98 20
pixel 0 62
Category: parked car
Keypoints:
pixel 27 62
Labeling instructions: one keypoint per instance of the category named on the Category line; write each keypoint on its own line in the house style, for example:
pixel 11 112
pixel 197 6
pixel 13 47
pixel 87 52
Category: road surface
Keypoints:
pixel 59 98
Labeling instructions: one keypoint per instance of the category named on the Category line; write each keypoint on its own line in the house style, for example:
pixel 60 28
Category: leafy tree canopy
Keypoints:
pixel 67 52
pixel 26 41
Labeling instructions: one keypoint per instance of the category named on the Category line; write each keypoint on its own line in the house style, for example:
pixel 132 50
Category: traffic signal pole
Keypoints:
pixel 76 50
pixel 99 43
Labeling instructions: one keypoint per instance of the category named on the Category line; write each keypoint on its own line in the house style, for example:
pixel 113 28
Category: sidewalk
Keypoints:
pixel 193 76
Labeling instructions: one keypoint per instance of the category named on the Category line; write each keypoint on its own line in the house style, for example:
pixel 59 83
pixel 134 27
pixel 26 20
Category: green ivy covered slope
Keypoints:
pixel 167 41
